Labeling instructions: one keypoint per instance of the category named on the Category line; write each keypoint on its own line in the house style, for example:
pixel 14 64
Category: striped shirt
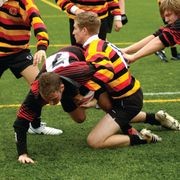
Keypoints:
pixel 101 7
pixel 16 19
pixel 111 69
pixel 170 34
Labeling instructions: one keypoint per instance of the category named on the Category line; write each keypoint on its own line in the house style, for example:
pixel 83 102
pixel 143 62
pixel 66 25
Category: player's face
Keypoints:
pixel 170 17
pixel 55 97
pixel 78 34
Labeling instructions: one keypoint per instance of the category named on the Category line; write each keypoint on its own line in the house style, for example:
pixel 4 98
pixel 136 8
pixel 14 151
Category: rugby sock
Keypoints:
pixel 136 140
pixel 150 119
pixel 36 123
pixel 174 51
pixel 125 128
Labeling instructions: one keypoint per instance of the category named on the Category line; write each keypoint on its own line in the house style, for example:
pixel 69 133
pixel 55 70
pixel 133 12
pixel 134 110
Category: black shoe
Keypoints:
pixel 176 57
pixel 161 55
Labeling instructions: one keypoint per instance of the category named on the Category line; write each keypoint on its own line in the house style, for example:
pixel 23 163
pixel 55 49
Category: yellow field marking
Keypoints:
pixel 63 45
pixel 161 100
pixel 50 4
pixel 145 101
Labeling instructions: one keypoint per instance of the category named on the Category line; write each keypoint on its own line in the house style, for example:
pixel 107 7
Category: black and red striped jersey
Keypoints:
pixel 16 19
pixel 73 72
pixel 170 34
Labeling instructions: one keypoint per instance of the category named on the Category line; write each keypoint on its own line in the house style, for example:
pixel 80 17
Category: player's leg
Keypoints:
pixel 30 73
pixel 159 118
pixel 104 134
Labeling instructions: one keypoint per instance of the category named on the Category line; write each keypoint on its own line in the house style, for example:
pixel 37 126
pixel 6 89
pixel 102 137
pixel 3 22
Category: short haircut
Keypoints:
pixel 90 20
pixel 170 5
pixel 49 82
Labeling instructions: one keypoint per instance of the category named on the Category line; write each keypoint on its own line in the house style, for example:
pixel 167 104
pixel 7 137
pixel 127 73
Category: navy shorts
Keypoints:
pixel 16 62
pixel 125 109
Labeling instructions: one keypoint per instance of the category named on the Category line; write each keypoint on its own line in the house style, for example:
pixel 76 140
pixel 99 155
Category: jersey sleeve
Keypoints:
pixel 31 16
pixel 170 34
pixel 29 111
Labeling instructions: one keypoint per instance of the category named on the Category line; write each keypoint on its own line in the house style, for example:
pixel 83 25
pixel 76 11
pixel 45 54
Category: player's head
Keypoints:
pixel 86 24
pixel 169 7
pixel 51 87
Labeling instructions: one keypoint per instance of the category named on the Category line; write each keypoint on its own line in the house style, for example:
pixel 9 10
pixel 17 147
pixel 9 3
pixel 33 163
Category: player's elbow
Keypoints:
pixel 79 119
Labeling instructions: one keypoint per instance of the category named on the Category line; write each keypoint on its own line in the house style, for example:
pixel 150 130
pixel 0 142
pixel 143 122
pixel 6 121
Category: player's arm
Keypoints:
pixel 150 48
pixel 21 127
pixel 31 15
pixel 138 45
pixel 29 111
pixel 124 18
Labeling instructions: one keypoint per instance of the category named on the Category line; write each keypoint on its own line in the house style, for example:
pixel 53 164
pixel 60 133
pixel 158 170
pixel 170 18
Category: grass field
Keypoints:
pixel 68 156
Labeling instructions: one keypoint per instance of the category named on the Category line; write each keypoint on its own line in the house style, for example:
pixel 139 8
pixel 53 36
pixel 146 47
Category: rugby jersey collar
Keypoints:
pixel 90 39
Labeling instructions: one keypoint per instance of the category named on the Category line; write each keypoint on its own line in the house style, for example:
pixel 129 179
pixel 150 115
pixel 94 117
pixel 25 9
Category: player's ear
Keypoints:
pixel 61 87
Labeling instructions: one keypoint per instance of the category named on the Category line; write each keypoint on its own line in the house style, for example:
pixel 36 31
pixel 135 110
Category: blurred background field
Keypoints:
pixel 68 156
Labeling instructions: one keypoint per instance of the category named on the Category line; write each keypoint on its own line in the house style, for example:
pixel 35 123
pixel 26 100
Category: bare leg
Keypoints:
pixel 104 134
pixel 30 73
pixel 141 117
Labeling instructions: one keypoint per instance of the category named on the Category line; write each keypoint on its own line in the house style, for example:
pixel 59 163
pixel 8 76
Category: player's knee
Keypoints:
pixel 93 143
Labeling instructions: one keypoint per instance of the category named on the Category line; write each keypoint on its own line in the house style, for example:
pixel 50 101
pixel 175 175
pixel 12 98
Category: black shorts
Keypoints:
pixel 16 62
pixel 125 109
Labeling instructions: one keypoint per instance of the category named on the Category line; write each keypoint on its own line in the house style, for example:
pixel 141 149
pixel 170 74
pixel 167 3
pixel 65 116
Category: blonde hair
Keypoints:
pixel 170 5
pixel 90 21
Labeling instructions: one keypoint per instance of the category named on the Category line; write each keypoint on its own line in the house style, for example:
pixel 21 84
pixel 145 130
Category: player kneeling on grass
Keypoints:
pixel 124 90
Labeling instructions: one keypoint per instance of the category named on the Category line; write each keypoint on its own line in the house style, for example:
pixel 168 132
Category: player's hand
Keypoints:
pixel 39 56
pixel 25 159
pixel 117 25
pixel 89 104
pixel 130 58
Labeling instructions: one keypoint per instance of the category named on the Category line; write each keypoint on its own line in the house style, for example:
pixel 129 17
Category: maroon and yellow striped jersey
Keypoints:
pixel 16 19
pixel 111 69
pixel 101 7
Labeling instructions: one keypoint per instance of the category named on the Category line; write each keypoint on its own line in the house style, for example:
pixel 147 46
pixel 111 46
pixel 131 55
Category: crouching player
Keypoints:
pixel 64 82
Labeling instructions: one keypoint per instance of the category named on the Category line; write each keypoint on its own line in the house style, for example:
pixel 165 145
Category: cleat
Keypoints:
pixel 161 55
pixel 149 136
pixel 43 129
pixel 175 58
pixel 167 121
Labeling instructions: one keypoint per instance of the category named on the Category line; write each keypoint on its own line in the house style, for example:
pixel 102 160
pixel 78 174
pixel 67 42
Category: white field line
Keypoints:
pixel 161 93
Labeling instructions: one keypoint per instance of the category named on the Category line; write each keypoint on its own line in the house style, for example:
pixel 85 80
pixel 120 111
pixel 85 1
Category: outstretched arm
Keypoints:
pixel 154 45
pixel 138 45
